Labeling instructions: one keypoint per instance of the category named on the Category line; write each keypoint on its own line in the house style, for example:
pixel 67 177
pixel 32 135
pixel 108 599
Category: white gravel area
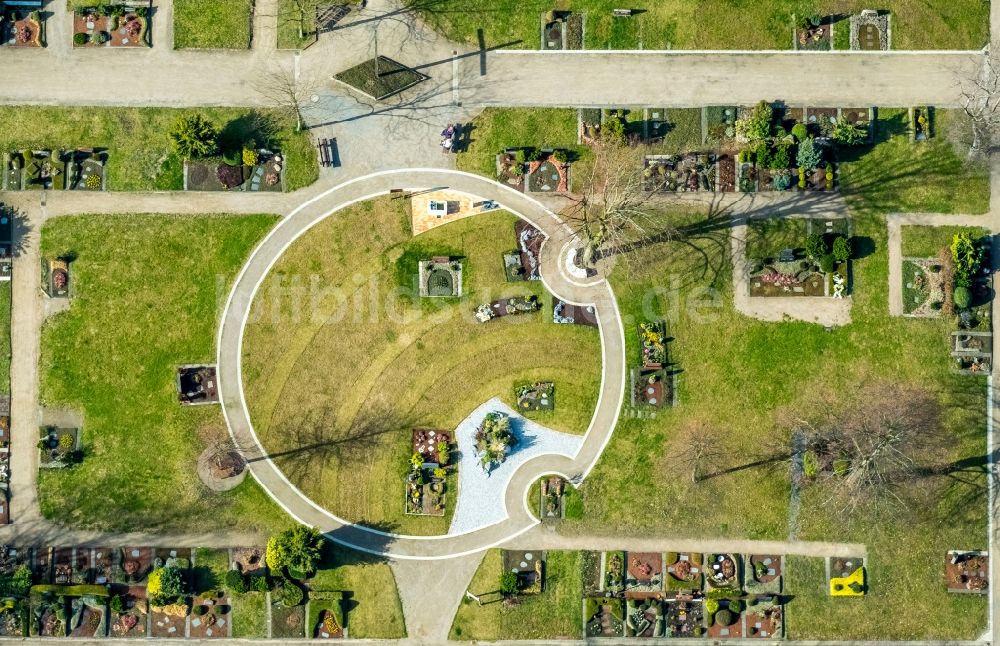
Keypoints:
pixel 481 496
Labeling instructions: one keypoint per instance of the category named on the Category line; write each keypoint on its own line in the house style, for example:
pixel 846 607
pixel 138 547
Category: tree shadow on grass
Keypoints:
pixel 254 125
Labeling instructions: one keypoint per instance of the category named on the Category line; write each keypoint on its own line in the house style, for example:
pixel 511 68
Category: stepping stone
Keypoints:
pixel 172 629
pixel 196 622
pixel 220 622
pixel 208 632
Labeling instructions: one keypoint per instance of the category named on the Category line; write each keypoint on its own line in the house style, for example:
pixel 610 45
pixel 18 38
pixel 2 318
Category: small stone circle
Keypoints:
pixel 215 483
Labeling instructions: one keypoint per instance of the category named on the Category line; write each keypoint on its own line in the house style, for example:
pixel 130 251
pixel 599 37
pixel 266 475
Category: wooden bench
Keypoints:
pixel 327 152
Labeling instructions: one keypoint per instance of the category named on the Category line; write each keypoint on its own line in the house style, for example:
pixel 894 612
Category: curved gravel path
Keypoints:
pixel 595 291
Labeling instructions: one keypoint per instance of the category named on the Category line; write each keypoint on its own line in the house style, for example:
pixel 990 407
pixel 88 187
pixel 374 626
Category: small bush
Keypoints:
pixel 250 157
pixel 815 246
pixel 93 182
pixel 842 249
pixel 80 39
pixel 117 604
pixel 200 610
pixel 724 618
pixel 102 37
pixel 508 583
pixel 711 606
pixel 735 606
pixel 259 583
pixel 236 582
pixel 232 157
pixel 809 154
pixel 963 297
pixel 810 465
pixel 800 132
pixel 291 595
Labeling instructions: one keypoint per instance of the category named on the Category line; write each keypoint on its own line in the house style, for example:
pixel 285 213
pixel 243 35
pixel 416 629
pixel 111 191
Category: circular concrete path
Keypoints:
pixel 559 237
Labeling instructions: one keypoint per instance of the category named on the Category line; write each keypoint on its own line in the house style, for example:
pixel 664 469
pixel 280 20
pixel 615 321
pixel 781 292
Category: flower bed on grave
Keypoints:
pixel 547 172
pixel 644 617
pixel 720 123
pixel 603 617
pixel 41 170
pixel 689 172
pixel 110 26
pixel 326 615
pixel 102 566
pixel 763 574
pixel 847 576
pixel 814 33
pixel 426 484
pixel 967 571
pixel 85 170
pixel 88 617
pixel 507 307
pixel 494 440
pixel 653 344
pixel 511 167
pixel 764 618
pixel 58 447
pixel 551 498
pixel 536 396
pixel 722 572
pixel 130 620
pixel 210 616
pixel 923 287
pixel 643 573
pixel 524 262
pixel 133 564
pixel 684 571
pixel 613 572
pixel 23 29
pixel 685 616
pixel 215 174
pixel 922 123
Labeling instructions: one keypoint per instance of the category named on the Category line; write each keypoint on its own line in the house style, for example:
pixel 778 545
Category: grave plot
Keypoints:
pixel 511 167
pixel 820 121
pixel 643 574
pixel 567 313
pixel 921 123
pixel 111 26
pixel 652 387
pixel 88 616
pixel 860 117
pixel 433 445
pixel 870 30
pixel 326 615
pixel 103 568
pixel 603 617
pixel 724 618
pixel 690 172
pixel 85 170
pixel 179 558
pixel 13 172
pixel 529 566
pixel 523 263
pixel 168 622
pixel 507 307
pixel 210 616
pixel 813 33
pixel 41 170
pixel 551 498
pixel 129 615
pixel 722 572
pixel 685 616
pixel 249 560
pixel 252 170
pixel 426 485
pixel 684 571
pixel 14 619
pixel 726 173
pixel 613 572
pixel 58 447
pixel 798 257
pixel 23 28
pixel 846 576
pixel 967 572
pixel 764 618
pixel 440 277
pixel 763 574
pixel 62 565
pixel 287 620
pixel 923 287
pixel 197 384
pixel 787 116
pixel 562 30
pixel 720 125
pixel 82 570
pixel 972 351
pixel 56 278
pixel 644 617
pixel 380 78
pixel 48 615
pixel 41 565
pixel 134 564
pixel 547 172
pixel 535 397
pixel 653 344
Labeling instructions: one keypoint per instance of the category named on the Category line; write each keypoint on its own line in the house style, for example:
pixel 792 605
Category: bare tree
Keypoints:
pixel 615 208
pixel 869 444
pixel 698 446
pixel 288 92
pixel 981 102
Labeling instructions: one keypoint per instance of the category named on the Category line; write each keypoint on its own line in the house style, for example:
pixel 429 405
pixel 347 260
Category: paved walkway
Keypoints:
pixel 559 239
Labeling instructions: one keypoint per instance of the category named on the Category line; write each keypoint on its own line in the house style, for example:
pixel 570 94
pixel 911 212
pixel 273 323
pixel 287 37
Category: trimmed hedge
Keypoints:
pixel 73 590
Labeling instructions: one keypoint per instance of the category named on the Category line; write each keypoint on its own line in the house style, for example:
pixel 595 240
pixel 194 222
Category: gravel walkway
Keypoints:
pixel 481 496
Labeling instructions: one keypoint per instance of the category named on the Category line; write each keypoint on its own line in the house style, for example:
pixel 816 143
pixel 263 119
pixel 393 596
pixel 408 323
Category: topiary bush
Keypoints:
pixel 80 39
pixel 232 157
pixel 800 132
pixel 827 263
pixel 291 595
pixel 236 582
pixel 842 249
pixel 815 246
pixel 724 618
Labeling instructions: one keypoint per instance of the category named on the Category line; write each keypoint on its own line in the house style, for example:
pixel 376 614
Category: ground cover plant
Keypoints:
pixel 137 140
pixel 146 302
pixel 760 370
pixel 212 24
pixel 712 24
pixel 398 358
pixel 552 614
pixel 371 603
pixel 380 78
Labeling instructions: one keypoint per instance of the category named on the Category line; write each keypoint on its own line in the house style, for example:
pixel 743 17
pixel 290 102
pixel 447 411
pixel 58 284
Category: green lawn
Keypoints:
pixel 371 603
pixel 5 303
pixel 927 242
pixel 141 156
pixel 553 614
pixel 708 24
pixel 212 24
pixel 210 567
pixel 498 128
pixel 250 616
pixel 897 175
pixel 297 21
pixel 147 295
pixel 397 358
